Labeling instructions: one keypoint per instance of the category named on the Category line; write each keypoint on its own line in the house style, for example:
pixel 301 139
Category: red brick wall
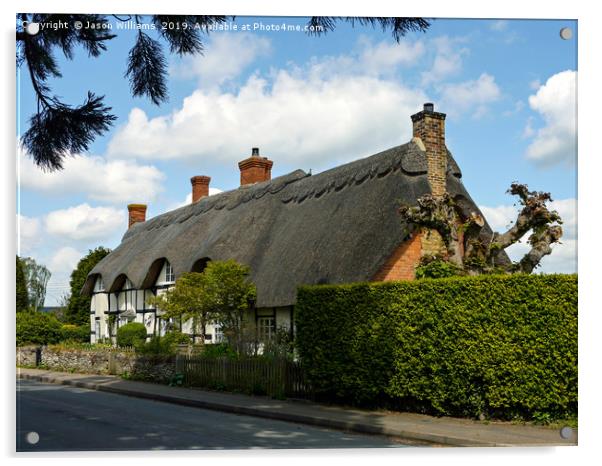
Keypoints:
pixel 402 263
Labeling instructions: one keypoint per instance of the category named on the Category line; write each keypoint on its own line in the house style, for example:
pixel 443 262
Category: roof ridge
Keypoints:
pixel 408 157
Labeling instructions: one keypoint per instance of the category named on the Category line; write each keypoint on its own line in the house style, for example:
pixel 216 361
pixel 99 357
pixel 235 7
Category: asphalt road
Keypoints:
pixel 74 419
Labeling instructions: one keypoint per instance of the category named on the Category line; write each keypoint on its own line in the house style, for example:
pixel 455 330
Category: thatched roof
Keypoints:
pixel 339 226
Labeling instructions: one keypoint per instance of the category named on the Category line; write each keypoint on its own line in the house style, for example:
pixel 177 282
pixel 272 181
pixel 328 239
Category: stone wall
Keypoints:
pixel 26 356
pixel 100 361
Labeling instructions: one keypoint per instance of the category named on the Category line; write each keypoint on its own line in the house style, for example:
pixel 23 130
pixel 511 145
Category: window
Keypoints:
pixel 169 275
pixel 266 326
pixel 219 334
pixel 99 286
pixel 97 330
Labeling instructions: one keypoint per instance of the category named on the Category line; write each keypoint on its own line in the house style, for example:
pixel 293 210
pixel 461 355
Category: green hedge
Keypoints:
pixel 503 346
pixel 75 333
pixel 37 328
pixel 131 334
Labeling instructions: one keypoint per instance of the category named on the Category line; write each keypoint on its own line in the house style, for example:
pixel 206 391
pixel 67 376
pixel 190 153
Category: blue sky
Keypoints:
pixel 508 87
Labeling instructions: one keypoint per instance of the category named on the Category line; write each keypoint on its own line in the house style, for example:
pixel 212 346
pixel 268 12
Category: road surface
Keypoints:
pixel 64 418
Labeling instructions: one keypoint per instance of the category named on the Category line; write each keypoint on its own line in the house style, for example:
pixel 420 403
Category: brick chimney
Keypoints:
pixel 429 126
pixel 200 187
pixel 255 169
pixel 137 213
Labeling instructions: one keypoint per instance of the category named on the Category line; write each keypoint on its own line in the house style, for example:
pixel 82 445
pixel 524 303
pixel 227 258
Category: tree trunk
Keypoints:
pixel 541 246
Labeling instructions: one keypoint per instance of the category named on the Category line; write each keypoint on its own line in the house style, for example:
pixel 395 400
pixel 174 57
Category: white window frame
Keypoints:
pixel 266 328
pixel 170 277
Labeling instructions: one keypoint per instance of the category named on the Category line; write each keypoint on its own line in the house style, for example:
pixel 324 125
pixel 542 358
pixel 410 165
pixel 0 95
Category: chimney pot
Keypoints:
pixel 255 152
pixel 136 214
pixel 429 107
pixel 200 187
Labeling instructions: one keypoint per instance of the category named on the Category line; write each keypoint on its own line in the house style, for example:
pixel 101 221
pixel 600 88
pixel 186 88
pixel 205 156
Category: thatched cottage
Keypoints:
pixel 338 226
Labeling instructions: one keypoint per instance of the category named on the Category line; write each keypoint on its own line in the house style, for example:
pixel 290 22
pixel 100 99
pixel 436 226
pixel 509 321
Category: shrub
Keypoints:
pixel 37 328
pixel 131 334
pixel 157 346
pixel 219 350
pixel 75 333
pixel 503 346
pixel 175 337
pixel 280 346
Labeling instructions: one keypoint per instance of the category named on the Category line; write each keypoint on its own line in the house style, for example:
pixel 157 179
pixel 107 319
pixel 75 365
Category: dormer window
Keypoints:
pixel 169 275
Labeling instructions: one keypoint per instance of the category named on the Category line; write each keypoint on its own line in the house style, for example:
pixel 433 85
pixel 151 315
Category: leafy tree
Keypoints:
pixel 22 295
pixel 467 251
pixel 58 129
pixel 186 300
pixel 230 295
pixel 36 277
pixel 221 293
pixel 77 311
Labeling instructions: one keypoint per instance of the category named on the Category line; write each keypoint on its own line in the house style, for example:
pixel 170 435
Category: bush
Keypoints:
pixel 131 334
pixel 503 346
pixel 175 337
pixel 37 328
pixel 219 350
pixel 75 333
pixel 157 346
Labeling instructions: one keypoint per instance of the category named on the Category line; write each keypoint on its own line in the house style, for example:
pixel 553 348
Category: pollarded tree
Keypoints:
pixel 466 249
pixel 77 311
pixel 58 129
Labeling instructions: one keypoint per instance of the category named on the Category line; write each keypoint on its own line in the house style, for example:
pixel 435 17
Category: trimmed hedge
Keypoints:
pixel 75 333
pixel 504 346
pixel 131 334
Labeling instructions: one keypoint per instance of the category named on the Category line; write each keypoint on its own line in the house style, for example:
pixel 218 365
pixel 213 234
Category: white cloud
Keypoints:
pixel 64 261
pixel 212 191
pixel 28 232
pixel 499 25
pixel 535 84
pixel 85 223
pixel 298 115
pixel 225 57
pixel 448 59
pixel 528 132
pixel 518 107
pixel 115 181
pixel 473 96
pixel 386 55
pixel 556 102
pixel 188 200
pixel 61 264
pixel 563 258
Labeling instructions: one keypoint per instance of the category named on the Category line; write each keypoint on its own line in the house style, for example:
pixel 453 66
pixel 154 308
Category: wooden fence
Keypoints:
pixel 278 378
